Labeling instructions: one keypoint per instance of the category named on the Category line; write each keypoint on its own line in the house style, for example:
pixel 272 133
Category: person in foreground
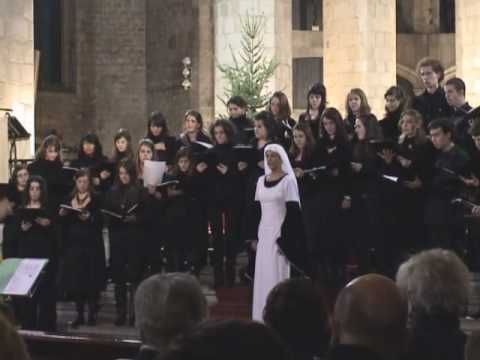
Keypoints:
pixel 280 237
pixel 369 320
pixel 296 309
pixel 436 284
pixel 228 339
pixel 166 305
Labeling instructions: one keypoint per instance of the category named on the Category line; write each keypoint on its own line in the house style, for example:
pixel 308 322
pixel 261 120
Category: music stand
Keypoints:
pixel 16 131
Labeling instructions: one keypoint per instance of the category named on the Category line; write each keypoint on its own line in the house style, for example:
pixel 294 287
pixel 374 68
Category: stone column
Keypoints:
pixel 359 49
pixel 467 46
pixel 16 70
pixel 277 40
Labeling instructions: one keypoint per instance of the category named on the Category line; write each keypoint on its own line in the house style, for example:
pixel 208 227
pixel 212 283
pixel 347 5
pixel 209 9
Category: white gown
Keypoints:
pixel 271 267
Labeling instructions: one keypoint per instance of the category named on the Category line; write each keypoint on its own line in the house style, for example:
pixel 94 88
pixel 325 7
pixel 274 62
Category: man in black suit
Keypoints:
pixel 166 305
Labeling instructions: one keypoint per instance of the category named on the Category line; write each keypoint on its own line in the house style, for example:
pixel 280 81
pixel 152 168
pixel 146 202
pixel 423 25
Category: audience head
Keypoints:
pixel 441 133
pixel 371 312
pixel 435 281
pixel 297 311
pixel 12 346
pixel 431 72
pixel 455 92
pixel 229 339
pixel 168 305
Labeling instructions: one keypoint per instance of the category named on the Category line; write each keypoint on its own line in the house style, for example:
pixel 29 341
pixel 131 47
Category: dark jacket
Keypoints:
pixel 244 129
pixel 432 106
pixel 435 336
pixel 389 125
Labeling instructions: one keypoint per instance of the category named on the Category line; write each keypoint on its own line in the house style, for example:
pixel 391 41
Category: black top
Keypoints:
pixel 352 352
pixel 313 123
pixel 244 129
pixel 167 155
pixel 432 106
pixel 461 127
pixel 389 125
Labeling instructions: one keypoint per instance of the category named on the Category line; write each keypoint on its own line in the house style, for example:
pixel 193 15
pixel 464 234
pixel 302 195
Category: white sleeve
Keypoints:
pixel 292 193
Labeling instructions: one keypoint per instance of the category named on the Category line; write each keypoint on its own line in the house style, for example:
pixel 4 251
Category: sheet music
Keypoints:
pixel 153 172
pixel 391 178
pixel 24 276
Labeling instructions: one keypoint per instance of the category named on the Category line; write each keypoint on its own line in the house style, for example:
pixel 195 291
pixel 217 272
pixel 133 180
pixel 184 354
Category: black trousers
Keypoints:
pixel 226 217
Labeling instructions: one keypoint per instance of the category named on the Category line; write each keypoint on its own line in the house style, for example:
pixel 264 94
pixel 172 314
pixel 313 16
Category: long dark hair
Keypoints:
pixel 318 89
pixel 81 173
pixel 398 93
pixel 227 127
pixel 90 138
pixel 122 133
pixel 333 114
pixel 309 144
pixel 129 166
pixel 156 118
pixel 285 111
pixel 269 123
pixel 183 152
pixel 50 140
pixel 364 106
pixel 43 190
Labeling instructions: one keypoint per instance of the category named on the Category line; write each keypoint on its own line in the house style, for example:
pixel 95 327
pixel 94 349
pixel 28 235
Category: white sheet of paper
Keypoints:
pixel 391 178
pixel 153 172
pixel 24 277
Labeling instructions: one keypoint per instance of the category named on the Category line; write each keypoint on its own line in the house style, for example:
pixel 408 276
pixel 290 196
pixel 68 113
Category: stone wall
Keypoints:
pixel 467 47
pixel 359 49
pixel 17 88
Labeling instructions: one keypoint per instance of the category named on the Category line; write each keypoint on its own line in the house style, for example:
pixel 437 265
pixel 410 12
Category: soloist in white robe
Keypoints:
pixel 271 266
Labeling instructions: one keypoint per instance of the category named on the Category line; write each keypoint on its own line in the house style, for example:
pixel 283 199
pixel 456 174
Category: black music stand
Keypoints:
pixel 16 131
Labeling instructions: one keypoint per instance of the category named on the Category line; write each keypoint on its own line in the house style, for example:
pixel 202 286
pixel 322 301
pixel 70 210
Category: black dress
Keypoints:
pixel 58 185
pixel 322 209
pixel 244 129
pixel 167 155
pixel 313 123
pixel 96 166
pixel 39 312
pixel 83 254
pixel 389 125
pixel 224 203
pixel 446 222
pixel 126 239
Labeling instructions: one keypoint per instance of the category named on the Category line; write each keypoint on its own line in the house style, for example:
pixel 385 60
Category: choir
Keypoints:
pixel 370 193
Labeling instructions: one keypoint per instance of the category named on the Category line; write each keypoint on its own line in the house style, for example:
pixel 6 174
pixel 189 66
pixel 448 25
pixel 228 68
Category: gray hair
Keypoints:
pixel 436 279
pixel 167 305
